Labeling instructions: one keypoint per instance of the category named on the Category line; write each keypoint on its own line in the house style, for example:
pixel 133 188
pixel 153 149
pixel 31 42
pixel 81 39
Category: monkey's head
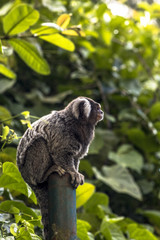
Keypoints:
pixel 86 110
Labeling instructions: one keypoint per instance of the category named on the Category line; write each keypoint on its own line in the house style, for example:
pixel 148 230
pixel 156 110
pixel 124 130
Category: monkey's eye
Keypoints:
pixel 98 107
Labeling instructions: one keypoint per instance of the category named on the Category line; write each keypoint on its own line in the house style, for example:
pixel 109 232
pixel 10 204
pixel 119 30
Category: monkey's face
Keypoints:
pixel 96 114
pixel 99 113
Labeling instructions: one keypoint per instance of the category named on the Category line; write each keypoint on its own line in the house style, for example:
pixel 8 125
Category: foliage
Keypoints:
pixel 45 61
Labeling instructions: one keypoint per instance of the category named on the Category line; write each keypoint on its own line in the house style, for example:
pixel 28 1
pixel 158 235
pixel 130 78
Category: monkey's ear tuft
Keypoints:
pixel 81 106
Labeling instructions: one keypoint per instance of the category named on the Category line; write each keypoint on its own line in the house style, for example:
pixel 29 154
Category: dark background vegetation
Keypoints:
pixel 117 63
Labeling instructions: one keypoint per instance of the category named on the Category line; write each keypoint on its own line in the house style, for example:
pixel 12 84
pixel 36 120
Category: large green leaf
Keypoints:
pixel 137 232
pixel 60 41
pixel 19 19
pixel 111 231
pixel 127 156
pixel 12 179
pixel 50 33
pixel 30 56
pixel 83 193
pixel 15 207
pixel 119 179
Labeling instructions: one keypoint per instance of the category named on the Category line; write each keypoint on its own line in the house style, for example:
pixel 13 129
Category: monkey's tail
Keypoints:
pixel 41 192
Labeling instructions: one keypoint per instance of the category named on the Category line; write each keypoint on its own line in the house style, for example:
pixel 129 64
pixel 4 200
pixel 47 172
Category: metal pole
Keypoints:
pixel 62 208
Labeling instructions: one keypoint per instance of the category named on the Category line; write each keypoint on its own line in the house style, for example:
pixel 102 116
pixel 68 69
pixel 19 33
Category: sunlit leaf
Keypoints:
pixel 83 193
pixel 5 8
pixel 14 229
pixel 26 114
pixel 63 20
pixel 74 32
pixel 82 229
pixel 27 122
pixel 53 25
pixel 5 132
pixel 12 179
pixel 137 232
pixel 19 19
pixel 59 41
pixel 30 56
pixel 7 72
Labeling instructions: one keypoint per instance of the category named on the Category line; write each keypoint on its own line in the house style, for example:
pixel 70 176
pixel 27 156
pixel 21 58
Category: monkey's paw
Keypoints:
pixel 56 169
pixel 76 178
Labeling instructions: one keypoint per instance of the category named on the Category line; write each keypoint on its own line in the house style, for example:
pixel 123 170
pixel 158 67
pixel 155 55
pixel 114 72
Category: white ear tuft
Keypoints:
pixel 86 106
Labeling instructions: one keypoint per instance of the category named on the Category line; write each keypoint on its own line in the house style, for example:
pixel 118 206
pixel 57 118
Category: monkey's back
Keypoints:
pixel 58 130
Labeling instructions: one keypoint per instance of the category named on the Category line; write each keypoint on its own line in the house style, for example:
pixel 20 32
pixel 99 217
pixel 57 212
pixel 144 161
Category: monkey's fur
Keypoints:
pixel 56 143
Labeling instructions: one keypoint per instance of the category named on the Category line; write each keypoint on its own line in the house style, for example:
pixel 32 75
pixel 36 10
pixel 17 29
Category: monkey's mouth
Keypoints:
pixel 100 115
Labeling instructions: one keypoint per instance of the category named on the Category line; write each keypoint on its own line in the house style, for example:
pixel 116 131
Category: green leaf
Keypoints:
pixel 30 56
pixel 49 25
pixel 11 179
pixel 4 115
pixel 5 132
pixel 82 229
pixel 8 155
pixel 83 193
pixel 138 232
pixel 152 215
pixel 19 19
pixel 60 41
pixel 143 141
pixel 14 229
pixel 49 33
pixel 7 72
pixel 126 156
pixel 85 166
pixel 111 231
pixel 46 30
pixel 16 207
pixel 93 205
pixel 27 122
pixel 6 84
pixel 106 36
pixel 155 111
pixel 119 179
pixel 26 114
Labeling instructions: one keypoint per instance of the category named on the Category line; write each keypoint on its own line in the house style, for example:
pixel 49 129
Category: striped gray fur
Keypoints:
pixel 56 143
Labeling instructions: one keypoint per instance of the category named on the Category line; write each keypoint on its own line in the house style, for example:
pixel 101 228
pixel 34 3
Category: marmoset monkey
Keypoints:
pixel 56 143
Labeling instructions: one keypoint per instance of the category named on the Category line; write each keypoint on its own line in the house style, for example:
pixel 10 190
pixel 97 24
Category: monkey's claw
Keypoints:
pixel 76 179
pixel 53 169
